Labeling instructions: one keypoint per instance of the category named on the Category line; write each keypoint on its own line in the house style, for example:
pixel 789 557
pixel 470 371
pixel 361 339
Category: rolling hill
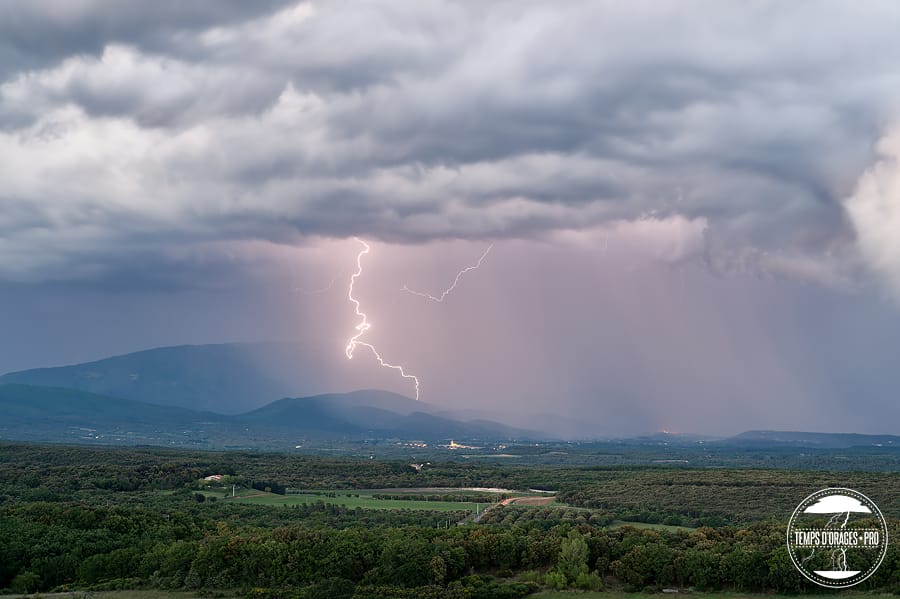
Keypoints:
pixel 372 411
pixel 227 378
pixel 33 413
pixel 69 415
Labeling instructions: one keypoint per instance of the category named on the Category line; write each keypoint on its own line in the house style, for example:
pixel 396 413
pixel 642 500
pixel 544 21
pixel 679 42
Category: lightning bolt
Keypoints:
pixel 450 289
pixel 364 324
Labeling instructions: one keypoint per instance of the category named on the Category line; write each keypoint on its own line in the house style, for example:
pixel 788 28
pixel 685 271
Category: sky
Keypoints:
pixel 694 206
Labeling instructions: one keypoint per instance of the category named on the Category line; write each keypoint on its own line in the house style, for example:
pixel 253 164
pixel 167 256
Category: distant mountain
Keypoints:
pixel 373 398
pixel 68 415
pixel 25 404
pixel 372 411
pixel 821 440
pixel 228 378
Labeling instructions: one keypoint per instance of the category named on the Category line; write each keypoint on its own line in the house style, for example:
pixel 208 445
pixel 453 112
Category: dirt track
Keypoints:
pixel 528 500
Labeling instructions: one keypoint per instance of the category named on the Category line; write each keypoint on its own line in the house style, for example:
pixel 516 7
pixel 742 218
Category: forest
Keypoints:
pixel 101 518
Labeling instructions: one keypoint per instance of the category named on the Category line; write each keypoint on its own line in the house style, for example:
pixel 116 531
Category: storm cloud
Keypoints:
pixel 130 129
pixel 693 205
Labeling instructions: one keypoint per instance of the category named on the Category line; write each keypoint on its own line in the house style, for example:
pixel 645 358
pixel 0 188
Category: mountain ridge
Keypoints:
pixel 61 414
pixel 225 377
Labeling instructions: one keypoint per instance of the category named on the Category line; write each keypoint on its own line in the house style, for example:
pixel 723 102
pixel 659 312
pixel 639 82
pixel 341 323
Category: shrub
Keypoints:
pixel 555 580
pixel 26 583
pixel 589 582
pixel 532 576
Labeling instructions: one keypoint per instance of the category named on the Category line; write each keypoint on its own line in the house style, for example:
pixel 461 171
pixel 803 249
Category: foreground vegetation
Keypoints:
pixel 103 518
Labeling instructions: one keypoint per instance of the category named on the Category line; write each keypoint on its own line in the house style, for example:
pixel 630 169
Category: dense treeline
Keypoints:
pixel 679 453
pixel 107 518
pixel 268 486
pixel 546 517
pixel 48 545
pixel 715 497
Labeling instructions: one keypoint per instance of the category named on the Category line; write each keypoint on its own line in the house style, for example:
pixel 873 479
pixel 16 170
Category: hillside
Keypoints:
pixel 371 411
pixel 228 378
pixel 70 415
pixel 67 415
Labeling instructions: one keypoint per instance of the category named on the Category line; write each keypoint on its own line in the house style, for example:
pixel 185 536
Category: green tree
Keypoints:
pixel 703 568
pixel 26 583
pixel 438 569
pixel 573 556
pixel 783 576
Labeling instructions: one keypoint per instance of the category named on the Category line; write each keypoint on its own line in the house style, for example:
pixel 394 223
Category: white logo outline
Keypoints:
pixel 838 501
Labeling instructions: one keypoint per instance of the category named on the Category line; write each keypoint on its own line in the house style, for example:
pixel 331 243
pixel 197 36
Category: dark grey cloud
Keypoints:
pixel 131 127
pixel 41 33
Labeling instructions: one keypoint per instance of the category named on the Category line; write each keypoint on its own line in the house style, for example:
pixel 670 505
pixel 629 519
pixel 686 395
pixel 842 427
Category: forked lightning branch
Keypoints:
pixel 364 324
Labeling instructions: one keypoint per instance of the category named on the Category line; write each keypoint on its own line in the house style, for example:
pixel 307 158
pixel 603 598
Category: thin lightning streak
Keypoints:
pixel 322 289
pixel 364 325
pixel 450 289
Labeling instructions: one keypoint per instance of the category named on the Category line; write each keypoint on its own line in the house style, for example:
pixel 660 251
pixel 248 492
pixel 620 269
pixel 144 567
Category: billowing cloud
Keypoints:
pixel 126 130
pixel 874 209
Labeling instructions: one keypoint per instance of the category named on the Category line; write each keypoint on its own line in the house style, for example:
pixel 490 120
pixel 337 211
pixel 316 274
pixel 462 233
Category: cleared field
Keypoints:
pixel 349 500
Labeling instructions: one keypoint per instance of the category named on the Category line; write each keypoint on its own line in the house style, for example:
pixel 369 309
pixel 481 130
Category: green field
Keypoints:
pixel 347 499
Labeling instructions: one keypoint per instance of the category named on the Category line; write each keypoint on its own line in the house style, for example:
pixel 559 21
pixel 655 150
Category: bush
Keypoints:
pixel 26 583
pixel 532 576
pixel 589 582
pixel 555 580
pixel 331 588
